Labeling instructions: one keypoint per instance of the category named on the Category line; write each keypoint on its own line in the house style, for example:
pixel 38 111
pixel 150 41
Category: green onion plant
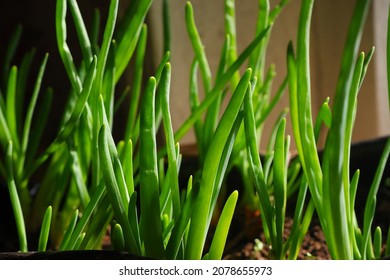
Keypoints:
pixel 71 162
pixel 91 181
pixel 272 185
pixel 332 191
pixel 170 221
pixel 93 184
pixel 263 100
pixel 256 113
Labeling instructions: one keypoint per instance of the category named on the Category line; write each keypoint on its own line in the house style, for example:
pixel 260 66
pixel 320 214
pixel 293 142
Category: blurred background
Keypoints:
pixel 329 26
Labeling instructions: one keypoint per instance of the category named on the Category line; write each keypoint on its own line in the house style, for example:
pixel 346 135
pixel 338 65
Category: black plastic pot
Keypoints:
pixel 71 255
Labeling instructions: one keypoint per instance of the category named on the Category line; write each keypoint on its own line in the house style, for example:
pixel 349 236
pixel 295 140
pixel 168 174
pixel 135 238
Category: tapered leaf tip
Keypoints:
pixel 167 66
pixel 188 9
pixel 94 60
pixel 152 81
pixel 167 55
pixel 248 70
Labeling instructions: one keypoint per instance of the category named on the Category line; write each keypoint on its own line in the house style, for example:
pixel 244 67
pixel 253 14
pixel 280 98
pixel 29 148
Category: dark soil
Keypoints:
pixel 253 246
pixel 248 241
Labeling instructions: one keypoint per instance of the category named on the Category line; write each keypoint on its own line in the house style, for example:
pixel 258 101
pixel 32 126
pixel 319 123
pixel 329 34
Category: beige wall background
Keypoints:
pixel 329 27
